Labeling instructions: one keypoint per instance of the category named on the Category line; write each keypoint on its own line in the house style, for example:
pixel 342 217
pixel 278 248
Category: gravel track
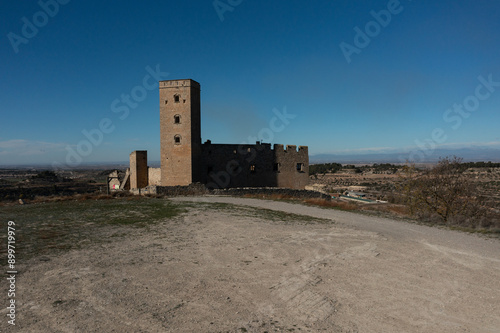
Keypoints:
pixel 245 265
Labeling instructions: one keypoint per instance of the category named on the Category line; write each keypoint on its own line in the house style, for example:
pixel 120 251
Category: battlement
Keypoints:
pixel 179 83
pixel 279 148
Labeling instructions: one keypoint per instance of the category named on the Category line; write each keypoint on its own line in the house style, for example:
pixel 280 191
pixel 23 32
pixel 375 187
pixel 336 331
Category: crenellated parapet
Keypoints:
pixel 278 147
pixel 290 149
pixel 179 83
pixel 293 166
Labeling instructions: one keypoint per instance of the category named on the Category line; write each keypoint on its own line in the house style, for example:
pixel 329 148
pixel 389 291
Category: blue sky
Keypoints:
pixel 394 92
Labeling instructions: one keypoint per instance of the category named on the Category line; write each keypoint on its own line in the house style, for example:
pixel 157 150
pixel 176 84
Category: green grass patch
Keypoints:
pixel 46 228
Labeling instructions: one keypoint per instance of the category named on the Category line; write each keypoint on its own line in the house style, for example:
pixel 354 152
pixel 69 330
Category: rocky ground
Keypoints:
pixel 247 265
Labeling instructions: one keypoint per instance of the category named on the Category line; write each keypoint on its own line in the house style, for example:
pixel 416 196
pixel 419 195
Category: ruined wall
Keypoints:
pixel 228 166
pixel 180 132
pixel 154 176
pixel 113 181
pixel 125 184
pixel 139 169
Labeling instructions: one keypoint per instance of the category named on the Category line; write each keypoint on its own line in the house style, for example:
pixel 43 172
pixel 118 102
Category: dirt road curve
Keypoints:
pixel 249 268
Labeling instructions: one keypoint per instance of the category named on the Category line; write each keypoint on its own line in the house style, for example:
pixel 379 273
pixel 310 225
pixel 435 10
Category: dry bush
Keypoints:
pixel 394 209
pixel 271 196
pixel 154 196
pixel 82 197
pixel 443 191
pixel 52 198
pixel 122 194
pixel 331 204
pixel 311 201
pixel 103 197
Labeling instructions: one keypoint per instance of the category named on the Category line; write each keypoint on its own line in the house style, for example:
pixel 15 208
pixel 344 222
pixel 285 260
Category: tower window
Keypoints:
pixel 166 101
pixel 300 167
pixel 276 167
pixel 177 139
pixel 176 98
pixel 252 168
pixel 177 119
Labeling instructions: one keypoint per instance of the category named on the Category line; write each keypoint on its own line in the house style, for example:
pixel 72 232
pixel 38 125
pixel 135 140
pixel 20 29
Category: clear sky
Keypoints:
pixel 353 76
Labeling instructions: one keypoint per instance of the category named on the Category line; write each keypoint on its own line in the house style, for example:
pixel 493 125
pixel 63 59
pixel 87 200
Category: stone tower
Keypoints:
pixel 180 132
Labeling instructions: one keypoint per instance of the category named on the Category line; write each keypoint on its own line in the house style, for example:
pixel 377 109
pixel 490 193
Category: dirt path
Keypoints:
pixel 223 268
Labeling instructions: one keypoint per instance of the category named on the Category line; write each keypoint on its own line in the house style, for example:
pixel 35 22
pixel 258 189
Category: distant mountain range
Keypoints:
pixel 470 154
pixel 394 156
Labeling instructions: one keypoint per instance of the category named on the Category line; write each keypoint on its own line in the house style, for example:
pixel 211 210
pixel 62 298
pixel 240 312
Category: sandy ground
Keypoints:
pixel 228 270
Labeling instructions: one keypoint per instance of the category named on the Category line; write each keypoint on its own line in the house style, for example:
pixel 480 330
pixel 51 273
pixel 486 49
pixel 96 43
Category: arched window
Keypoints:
pixel 177 119
pixel 177 139
pixel 176 98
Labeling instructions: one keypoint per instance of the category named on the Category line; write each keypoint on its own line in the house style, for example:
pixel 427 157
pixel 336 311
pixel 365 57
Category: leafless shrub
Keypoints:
pixel 394 209
pixel 442 194
pixel 331 204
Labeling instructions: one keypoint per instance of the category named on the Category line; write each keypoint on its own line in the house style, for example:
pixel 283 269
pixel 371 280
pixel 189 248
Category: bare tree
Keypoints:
pixel 443 190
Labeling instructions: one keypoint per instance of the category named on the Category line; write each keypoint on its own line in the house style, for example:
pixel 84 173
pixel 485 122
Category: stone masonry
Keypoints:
pixel 180 132
pixel 185 160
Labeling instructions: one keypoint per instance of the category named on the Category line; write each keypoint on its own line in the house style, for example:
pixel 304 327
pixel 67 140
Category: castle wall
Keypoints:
pixel 154 176
pixel 293 166
pixel 139 169
pixel 231 165
pixel 113 181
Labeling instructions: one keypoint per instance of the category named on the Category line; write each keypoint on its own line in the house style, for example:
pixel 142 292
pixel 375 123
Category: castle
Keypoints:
pixel 186 160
